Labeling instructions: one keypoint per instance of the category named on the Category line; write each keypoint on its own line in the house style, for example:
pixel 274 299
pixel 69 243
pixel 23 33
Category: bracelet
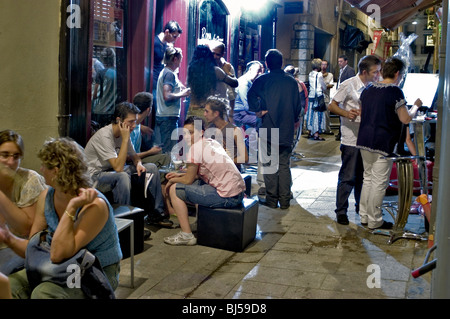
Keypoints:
pixel 72 217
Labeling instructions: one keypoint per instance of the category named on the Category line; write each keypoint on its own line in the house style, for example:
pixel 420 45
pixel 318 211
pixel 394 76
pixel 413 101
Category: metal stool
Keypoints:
pixel 400 210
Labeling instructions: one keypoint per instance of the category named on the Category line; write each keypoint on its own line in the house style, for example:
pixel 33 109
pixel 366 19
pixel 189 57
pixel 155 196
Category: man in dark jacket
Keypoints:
pixel 346 71
pixel 276 99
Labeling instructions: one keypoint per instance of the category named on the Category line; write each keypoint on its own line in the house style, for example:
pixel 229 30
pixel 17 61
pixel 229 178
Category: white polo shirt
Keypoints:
pixel 347 97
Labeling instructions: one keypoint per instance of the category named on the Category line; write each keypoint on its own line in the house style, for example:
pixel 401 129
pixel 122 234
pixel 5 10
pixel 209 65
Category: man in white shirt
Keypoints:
pixel 345 72
pixel 346 104
pixel 108 153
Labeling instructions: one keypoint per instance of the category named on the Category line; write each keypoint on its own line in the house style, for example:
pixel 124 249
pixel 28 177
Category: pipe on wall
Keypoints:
pixel 440 277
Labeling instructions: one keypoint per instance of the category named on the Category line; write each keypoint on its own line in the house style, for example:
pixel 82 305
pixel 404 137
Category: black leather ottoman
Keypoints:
pixel 228 228
pixel 137 215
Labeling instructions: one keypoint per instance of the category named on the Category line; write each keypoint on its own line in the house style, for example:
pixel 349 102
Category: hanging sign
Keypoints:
pixel 376 39
pixel 387 47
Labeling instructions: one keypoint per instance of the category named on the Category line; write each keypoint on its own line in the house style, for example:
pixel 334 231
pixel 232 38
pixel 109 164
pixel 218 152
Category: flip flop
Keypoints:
pixel 318 138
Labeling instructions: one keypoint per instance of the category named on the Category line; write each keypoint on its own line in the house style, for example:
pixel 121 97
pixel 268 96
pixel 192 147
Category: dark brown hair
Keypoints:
pixel 392 66
pixel 11 136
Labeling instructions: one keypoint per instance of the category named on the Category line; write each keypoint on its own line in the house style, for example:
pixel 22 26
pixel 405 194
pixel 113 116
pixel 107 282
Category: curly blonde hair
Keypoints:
pixel 68 156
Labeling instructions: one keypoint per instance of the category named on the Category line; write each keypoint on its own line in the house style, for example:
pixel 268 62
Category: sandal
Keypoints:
pixel 318 138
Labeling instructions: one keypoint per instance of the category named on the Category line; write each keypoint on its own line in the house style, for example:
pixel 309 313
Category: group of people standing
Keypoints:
pixel 372 113
pixel 321 81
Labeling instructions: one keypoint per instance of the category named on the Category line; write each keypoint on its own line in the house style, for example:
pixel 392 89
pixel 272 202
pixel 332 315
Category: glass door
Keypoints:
pixel 109 60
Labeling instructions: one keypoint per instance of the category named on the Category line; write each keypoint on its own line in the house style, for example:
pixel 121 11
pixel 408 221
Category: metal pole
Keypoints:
pixel 440 286
pixel 274 26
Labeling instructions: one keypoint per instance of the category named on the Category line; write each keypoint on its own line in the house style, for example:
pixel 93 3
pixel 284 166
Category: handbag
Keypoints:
pixel 40 268
pixel 320 105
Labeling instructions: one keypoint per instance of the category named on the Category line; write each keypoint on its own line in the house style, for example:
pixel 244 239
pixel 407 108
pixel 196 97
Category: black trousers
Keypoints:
pixel 277 175
pixel 350 178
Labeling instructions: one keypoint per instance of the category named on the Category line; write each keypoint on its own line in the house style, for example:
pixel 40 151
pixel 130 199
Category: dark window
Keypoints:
pixel 213 20
pixel 108 59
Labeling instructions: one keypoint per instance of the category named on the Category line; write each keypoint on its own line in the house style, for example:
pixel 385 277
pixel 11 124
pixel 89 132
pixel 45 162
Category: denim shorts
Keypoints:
pixel 205 195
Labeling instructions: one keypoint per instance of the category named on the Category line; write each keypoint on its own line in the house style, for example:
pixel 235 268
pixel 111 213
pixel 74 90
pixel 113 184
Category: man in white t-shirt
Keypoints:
pixel 108 153
pixel 346 104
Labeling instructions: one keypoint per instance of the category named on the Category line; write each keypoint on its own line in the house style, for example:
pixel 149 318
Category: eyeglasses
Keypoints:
pixel 6 155
pixel 130 122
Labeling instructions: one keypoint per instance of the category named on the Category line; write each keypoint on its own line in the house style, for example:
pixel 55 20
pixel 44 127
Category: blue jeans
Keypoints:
pixel 247 119
pixel 163 132
pixel 205 195
pixel 350 178
pixel 10 262
pixel 119 183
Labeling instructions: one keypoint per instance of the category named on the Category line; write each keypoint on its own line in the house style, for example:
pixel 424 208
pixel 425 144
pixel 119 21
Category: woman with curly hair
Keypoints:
pixel 203 78
pixel 19 192
pixel 75 215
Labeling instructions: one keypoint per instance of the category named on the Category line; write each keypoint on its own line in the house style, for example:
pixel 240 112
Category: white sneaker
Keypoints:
pixel 180 239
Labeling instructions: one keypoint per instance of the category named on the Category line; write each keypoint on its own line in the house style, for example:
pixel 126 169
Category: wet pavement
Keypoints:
pixel 298 253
